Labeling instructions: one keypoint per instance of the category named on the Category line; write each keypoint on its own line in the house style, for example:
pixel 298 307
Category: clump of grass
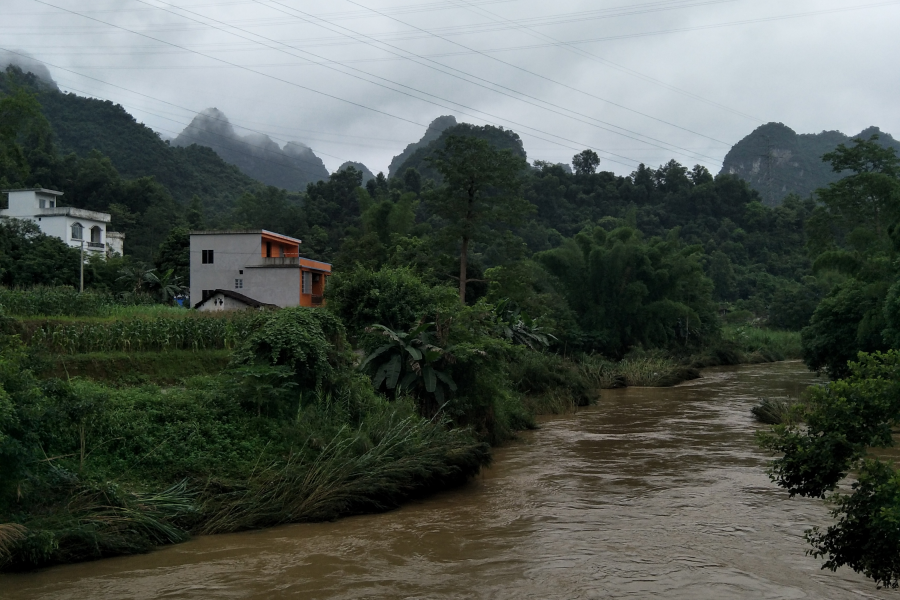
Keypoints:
pixel 374 469
pixel 776 411
pixel 551 383
pixel 85 521
pixel 10 535
pixel 764 345
pixel 640 371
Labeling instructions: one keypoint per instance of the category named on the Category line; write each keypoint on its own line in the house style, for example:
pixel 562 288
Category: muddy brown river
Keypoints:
pixel 654 493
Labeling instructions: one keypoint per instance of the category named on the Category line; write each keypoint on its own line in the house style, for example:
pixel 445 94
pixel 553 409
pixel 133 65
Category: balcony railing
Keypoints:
pixel 96 245
pixel 281 260
pixel 316 300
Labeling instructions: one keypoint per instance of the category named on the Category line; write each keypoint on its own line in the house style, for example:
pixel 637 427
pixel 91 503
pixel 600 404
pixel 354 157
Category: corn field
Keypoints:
pixel 64 301
pixel 138 335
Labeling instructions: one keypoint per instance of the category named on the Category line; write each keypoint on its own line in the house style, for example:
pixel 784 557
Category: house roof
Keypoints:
pixel 259 232
pixel 239 297
pixel 41 190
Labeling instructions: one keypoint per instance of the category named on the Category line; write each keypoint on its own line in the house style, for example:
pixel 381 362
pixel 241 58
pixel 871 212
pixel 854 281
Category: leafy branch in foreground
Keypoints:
pixel 844 420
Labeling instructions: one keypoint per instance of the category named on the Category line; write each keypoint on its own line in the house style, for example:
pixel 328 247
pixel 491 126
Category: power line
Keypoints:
pixel 585 54
pixel 524 70
pixel 303 87
pixel 384 79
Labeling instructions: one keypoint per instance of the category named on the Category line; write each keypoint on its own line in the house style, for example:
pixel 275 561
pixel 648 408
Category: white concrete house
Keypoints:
pixel 75 226
pixel 259 265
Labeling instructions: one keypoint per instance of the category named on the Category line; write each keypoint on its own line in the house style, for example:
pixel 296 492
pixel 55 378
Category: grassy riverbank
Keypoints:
pixel 123 429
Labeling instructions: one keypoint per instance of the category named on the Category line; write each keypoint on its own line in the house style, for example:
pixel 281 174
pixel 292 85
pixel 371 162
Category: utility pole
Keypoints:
pixel 82 266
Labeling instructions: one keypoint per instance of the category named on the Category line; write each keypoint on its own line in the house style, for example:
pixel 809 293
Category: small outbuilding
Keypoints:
pixel 222 300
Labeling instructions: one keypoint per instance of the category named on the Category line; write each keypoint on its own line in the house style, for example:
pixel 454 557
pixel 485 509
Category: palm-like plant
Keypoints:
pixel 409 362
pixel 168 285
pixel 517 327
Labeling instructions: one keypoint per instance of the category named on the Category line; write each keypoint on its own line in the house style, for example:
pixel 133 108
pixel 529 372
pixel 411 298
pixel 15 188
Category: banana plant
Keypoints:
pixel 519 328
pixel 409 362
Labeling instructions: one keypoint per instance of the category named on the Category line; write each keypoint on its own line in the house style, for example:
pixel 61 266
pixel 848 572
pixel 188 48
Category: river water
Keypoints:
pixel 654 493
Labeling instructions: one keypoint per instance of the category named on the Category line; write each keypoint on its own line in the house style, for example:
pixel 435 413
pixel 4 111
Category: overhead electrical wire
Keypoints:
pixel 406 55
pixel 238 66
pixel 311 89
pixel 604 61
pixel 694 154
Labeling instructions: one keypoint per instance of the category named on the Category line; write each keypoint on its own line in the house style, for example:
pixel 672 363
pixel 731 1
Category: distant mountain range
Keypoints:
pixel 290 167
pixel 777 161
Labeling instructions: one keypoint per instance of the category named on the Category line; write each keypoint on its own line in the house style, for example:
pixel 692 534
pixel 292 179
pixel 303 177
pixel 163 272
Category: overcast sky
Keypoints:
pixel 641 81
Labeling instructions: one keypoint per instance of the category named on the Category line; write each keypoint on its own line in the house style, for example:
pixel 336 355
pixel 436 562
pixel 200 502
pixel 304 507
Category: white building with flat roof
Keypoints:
pixel 75 226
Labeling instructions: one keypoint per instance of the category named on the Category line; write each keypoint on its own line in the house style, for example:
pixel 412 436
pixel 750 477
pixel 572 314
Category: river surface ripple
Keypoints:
pixel 654 493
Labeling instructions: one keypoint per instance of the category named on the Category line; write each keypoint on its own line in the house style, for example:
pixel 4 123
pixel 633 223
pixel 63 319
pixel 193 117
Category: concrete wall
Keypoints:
pixel 273 285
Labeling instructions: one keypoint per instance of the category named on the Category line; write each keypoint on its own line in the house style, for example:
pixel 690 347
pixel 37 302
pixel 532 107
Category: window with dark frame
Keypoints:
pixel 238 284
pixel 207 258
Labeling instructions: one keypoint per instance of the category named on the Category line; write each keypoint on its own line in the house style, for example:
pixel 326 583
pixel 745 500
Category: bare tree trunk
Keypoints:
pixel 463 264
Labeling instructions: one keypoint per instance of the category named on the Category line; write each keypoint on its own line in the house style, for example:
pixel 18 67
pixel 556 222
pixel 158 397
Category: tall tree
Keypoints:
pixel 482 185
pixel 586 162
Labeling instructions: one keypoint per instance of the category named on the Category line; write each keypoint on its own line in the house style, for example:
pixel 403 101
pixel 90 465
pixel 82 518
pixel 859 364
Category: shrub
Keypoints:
pixel 393 297
pixel 308 341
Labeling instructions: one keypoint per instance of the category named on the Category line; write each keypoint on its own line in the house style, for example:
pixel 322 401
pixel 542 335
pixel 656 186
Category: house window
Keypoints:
pixel 43 203
pixel 207 258
pixel 268 249
pixel 77 231
pixel 307 283
pixel 238 284
pixel 95 235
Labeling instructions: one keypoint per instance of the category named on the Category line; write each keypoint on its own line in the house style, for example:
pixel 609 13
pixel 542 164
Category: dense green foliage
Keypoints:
pixel 844 420
pixel 852 238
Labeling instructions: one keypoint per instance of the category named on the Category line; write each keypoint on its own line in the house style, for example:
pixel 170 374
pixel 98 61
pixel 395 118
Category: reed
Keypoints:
pixel 10 535
pixel 777 411
pixel 764 345
pixel 372 469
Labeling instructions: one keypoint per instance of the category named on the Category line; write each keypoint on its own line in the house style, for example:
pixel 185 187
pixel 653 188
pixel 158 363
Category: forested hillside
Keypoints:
pixel 82 125
pixel 776 161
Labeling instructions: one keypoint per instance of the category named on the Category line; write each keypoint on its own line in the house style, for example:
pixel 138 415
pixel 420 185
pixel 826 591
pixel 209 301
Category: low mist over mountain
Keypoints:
pixel 256 155
pixel 28 65
pixel 434 131
pixel 367 174
pixel 777 161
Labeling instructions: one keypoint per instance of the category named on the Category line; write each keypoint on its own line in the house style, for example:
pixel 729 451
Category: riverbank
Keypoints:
pixel 655 492
pixel 122 438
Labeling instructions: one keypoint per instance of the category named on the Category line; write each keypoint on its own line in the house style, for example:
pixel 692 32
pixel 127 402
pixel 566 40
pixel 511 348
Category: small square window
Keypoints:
pixel 241 272
pixel 207 258
pixel 238 284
